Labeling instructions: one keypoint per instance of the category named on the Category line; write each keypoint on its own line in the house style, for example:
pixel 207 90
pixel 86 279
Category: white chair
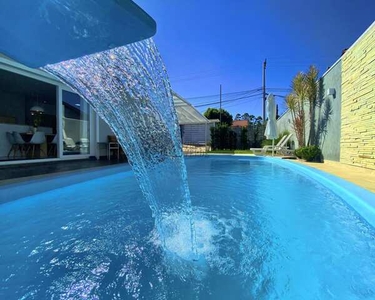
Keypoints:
pixel 69 143
pixel 280 146
pixel 14 146
pixel 53 146
pixel 21 145
pixel 38 139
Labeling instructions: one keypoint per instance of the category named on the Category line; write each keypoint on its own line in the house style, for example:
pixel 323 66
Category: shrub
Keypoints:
pixel 244 143
pixel 310 153
pixel 222 137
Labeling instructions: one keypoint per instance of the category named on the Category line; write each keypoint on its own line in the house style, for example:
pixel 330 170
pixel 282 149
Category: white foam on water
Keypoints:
pixel 176 228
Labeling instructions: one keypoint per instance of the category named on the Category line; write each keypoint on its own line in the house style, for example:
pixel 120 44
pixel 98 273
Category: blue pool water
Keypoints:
pixel 264 231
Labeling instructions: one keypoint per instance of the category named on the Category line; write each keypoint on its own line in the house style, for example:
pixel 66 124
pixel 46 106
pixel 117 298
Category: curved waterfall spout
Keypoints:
pixel 129 89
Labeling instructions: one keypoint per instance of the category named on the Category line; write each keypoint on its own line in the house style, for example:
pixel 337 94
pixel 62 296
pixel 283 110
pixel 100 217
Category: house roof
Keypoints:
pixel 240 123
pixel 187 113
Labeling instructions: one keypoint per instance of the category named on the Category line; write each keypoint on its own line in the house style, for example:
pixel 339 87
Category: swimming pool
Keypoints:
pixel 266 229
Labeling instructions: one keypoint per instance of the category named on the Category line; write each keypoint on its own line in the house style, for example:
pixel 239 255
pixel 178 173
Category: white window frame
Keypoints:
pixel 17 68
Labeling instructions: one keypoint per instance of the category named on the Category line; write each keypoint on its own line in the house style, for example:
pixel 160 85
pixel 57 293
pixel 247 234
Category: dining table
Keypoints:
pixel 42 150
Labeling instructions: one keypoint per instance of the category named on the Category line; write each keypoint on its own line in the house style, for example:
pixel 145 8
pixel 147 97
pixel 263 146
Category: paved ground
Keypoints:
pixel 360 176
pixel 14 172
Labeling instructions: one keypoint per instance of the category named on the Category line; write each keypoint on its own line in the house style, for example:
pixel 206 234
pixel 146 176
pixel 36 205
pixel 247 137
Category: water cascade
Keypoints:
pixel 129 89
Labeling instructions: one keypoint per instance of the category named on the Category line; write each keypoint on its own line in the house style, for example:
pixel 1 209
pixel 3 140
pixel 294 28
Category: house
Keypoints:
pixel 240 124
pixel 345 114
pixel 32 100
pixel 195 128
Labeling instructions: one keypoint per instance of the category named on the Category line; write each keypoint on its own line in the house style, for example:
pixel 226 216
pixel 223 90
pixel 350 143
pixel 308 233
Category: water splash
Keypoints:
pixel 129 89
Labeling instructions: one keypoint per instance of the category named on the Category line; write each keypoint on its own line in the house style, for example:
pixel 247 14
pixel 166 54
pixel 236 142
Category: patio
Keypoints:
pixel 23 172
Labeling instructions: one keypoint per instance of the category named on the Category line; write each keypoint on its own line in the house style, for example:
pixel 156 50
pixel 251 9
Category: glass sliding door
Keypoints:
pixel 75 124
pixel 28 128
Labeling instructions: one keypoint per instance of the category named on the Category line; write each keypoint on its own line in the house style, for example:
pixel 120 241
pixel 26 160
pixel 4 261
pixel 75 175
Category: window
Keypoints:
pixel 27 118
pixel 75 124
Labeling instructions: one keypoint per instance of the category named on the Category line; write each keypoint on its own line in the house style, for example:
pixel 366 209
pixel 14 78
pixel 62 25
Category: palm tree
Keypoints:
pixel 295 102
pixel 304 90
pixel 311 86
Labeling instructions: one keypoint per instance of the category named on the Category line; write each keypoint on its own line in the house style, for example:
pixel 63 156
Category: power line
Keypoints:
pixel 226 101
pixel 254 100
pixel 281 89
pixel 224 94
pixel 236 97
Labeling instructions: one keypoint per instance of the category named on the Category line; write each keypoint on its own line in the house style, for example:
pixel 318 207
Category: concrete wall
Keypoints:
pixel 358 102
pixel 284 123
pixel 327 116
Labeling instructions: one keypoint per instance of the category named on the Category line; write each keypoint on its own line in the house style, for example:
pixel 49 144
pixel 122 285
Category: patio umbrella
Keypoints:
pixel 271 129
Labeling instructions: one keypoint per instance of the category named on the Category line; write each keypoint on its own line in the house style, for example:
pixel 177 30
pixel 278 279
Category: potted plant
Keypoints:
pixel 36 121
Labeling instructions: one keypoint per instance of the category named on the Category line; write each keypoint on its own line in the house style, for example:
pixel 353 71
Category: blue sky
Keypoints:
pixel 207 43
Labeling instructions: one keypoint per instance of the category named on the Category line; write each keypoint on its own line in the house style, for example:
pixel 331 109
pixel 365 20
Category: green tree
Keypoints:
pixel 245 117
pixel 304 90
pixel 243 139
pixel 222 137
pixel 258 129
pixel 214 113
pixel 237 117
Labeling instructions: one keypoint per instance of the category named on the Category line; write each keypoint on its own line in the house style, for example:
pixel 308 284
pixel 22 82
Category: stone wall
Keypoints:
pixel 358 103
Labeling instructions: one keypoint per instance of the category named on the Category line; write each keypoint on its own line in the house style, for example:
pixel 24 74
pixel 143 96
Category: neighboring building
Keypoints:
pixel 240 123
pixel 345 116
pixel 195 128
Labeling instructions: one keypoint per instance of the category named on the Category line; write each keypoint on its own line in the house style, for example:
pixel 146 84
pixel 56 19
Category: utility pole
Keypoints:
pixel 220 104
pixel 264 90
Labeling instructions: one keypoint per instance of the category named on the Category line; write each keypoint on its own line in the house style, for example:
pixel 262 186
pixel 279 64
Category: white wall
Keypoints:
pixel 104 132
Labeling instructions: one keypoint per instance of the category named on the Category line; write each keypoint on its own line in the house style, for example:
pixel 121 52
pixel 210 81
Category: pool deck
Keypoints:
pixel 360 176
pixel 26 171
